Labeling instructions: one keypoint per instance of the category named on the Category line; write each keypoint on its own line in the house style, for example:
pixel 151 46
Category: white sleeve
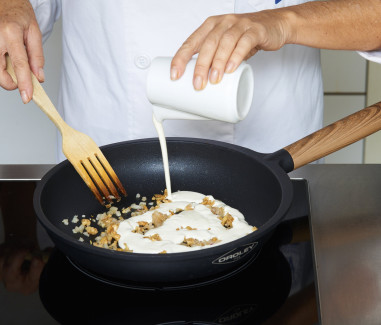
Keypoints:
pixel 47 12
pixel 374 56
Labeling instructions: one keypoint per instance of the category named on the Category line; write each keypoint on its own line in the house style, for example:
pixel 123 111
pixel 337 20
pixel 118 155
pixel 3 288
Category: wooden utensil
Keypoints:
pixel 79 148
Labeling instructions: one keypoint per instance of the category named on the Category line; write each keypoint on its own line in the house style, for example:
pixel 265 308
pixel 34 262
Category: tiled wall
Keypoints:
pixel 345 75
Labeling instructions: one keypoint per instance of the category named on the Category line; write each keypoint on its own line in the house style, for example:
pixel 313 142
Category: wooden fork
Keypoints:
pixel 79 148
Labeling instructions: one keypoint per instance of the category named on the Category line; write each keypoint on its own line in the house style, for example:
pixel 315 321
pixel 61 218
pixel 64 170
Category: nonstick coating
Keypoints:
pixel 250 182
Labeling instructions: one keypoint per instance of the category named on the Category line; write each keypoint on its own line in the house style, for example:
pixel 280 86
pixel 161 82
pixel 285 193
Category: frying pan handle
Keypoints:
pixel 335 136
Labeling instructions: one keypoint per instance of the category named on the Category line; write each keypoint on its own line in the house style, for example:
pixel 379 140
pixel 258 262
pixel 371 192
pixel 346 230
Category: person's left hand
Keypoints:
pixel 223 42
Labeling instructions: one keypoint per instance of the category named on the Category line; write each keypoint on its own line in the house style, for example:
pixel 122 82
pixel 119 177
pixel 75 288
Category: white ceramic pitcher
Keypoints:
pixel 227 101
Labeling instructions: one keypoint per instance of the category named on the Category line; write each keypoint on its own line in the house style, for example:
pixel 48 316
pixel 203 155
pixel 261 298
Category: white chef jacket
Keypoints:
pixel 107 50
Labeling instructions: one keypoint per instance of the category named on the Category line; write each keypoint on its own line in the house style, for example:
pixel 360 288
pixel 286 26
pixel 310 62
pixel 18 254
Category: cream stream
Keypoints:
pixel 164 152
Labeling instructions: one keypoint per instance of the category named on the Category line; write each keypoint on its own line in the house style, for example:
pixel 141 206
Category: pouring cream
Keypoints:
pixel 164 153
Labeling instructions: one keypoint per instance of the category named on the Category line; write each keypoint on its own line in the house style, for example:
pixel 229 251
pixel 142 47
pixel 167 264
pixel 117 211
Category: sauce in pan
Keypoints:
pixel 190 221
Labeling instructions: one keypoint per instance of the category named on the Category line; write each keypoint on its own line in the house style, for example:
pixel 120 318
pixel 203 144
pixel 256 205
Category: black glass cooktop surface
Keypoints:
pixel 276 287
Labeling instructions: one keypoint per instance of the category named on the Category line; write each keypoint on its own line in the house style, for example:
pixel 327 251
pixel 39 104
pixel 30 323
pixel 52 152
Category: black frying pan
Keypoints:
pixel 256 184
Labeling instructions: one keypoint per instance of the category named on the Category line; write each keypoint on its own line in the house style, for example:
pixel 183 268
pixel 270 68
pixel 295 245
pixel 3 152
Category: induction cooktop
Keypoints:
pixel 253 294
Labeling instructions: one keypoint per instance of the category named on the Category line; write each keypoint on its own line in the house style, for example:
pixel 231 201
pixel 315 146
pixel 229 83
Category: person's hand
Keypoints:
pixel 20 269
pixel 21 38
pixel 223 42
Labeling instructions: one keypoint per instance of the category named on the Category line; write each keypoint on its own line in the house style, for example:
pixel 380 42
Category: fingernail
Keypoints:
pixel 214 76
pixel 174 73
pixel 197 83
pixel 41 74
pixel 230 67
pixel 24 97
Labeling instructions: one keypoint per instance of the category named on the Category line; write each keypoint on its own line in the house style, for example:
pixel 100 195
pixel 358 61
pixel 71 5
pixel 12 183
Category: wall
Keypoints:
pixel 372 152
pixel 345 91
pixel 27 136
pixel 350 84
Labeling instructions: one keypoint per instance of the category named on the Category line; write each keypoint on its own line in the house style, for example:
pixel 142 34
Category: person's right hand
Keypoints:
pixel 224 41
pixel 21 38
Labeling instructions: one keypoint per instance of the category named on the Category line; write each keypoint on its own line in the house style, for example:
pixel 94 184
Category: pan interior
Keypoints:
pixel 242 181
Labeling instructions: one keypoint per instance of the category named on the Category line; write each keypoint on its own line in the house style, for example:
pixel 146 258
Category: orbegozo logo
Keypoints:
pixel 235 254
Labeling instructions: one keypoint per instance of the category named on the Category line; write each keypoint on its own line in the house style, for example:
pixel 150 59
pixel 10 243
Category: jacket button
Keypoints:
pixel 142 61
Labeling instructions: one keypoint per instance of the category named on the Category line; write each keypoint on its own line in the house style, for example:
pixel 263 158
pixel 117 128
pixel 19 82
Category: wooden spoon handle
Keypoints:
pixel 40 98
pixel 336 136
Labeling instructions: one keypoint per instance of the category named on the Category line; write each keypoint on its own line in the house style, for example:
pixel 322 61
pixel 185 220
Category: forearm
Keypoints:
pixel 335 24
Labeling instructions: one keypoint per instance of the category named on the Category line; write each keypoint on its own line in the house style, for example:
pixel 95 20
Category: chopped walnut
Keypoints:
pixel 126 249
pixel 105 220
pixel 103 240
pixel 143 227
pixel 161 197
pixel 113 245
pixel 111 229
pixel 126 210
pixel 227 221
pixel 189 207
pixel 213 241
pixel 92 230
pixel 190 242
pixel 207 201
pixel 158 218
pixel 155 237
pixel 85 222
pixel 111 232
pixel 218 211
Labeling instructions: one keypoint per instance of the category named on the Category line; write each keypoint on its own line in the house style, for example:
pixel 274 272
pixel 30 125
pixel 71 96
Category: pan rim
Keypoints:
pixel 256 236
